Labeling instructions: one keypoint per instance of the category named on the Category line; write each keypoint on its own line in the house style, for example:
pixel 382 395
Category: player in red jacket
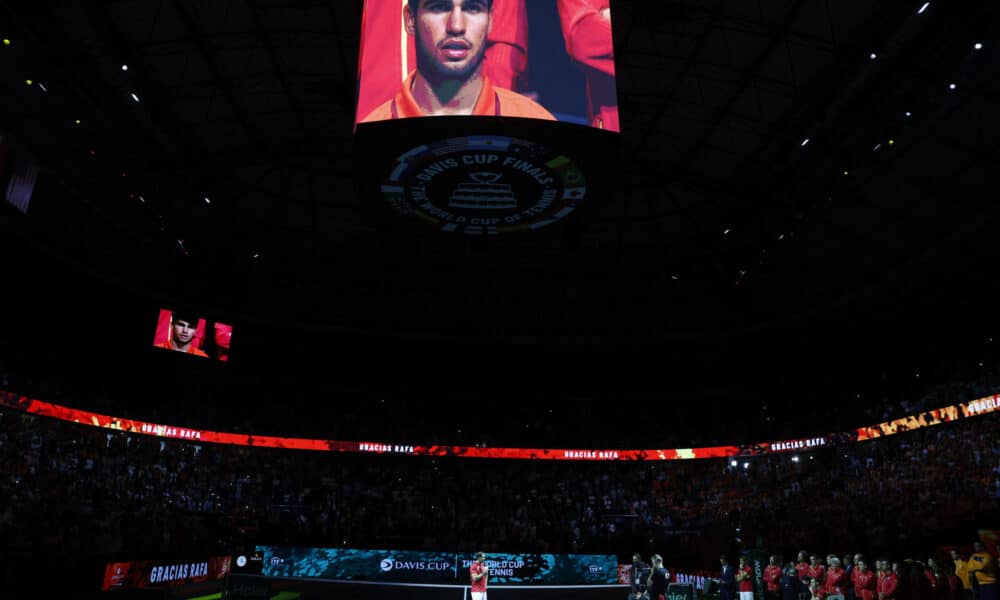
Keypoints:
pixel 865 581
pixel 888 583
pixel 816 570
pixel 802 566
pixel 388 54
pixel 772 579
pixel 744 579
pixel 586 26
pixel 836 579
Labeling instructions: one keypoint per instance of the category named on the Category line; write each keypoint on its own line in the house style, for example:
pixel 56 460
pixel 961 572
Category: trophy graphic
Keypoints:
pixel 483 192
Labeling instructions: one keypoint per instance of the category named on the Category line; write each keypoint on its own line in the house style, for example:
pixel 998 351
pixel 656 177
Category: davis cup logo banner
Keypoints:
pixel 485 185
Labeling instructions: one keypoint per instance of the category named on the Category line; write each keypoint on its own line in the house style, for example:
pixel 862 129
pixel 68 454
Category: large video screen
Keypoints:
pixel 186 332
pixel 541 59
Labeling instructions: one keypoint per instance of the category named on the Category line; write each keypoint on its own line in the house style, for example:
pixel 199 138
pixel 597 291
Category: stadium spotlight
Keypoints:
pixel 746 465
pixel 732 463
pixel 923 8
pixel 124 67
pixel 952 86
pixel 873 56
pixel 978 46
pixel 909 114
pixel 795 458
pixel 76 122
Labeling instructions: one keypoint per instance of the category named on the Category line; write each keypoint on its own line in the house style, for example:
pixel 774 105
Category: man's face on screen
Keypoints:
pixel 183 332
pixel 450 37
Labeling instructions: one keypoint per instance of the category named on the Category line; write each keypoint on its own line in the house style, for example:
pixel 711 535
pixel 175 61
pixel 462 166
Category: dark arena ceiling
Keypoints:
pixel 724 223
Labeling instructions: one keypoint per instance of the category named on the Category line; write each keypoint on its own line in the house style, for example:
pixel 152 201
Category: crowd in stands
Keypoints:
pixel 78 491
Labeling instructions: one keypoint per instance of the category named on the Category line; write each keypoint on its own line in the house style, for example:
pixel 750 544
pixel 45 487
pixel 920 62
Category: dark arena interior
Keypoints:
pixel 771 327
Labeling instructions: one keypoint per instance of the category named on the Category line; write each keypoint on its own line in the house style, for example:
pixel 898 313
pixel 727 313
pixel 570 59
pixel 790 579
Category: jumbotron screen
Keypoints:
pixel 550 60
pixel 186 332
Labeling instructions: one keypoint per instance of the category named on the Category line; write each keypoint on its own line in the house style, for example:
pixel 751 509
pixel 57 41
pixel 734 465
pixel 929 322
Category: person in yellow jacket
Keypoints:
pixel 982 566
pixel 962 573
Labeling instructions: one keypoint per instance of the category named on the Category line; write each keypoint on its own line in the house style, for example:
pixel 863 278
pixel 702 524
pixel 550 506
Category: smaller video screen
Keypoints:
pixel 189 333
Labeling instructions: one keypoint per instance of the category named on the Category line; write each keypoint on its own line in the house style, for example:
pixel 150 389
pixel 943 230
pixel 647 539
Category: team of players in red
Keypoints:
pixel 854 579
pixel 860 580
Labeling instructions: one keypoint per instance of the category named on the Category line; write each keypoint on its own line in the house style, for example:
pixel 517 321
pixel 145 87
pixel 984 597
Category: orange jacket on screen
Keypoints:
pixel 191 349
pixel 589 41
pixel 493 102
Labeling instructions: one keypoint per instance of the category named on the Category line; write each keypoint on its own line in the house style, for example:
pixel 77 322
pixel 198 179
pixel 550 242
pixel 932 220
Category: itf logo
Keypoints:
pixel 386 565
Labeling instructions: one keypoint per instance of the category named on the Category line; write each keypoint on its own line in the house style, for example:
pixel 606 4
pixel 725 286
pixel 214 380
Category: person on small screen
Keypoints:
pixel 223 338
pixel 182 335
pixel 586 26
pixel 451 37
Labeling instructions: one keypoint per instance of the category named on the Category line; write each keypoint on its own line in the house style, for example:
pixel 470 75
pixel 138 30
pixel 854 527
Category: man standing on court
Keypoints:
pixel 479 574
pixel 451 39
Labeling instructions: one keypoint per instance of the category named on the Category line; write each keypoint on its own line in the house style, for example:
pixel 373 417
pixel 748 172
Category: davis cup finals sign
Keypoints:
pixel 484 185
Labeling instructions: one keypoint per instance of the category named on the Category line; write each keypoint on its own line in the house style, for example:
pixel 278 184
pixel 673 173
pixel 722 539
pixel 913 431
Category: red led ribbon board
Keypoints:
pixel 982 406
